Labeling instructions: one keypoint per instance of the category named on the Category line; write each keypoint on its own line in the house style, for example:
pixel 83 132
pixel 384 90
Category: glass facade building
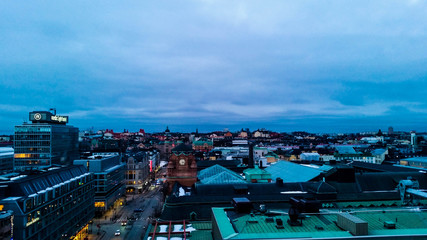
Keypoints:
pixel 39 145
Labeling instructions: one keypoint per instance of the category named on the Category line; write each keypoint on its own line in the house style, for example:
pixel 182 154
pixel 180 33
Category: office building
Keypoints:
pixel 109 174
pixel 45 142
pixel 51 204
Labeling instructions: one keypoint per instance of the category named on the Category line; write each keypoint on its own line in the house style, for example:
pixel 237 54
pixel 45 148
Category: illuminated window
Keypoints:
pixel 99 204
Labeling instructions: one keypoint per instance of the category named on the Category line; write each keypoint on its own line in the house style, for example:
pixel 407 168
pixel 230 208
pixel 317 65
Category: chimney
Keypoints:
pixel 251 156
pixel 279 182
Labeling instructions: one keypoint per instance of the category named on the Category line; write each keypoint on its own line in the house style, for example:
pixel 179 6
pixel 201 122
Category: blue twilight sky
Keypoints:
pixel 320 66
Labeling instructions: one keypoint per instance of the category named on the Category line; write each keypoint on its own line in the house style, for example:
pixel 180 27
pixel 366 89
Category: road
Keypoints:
pixel 147 202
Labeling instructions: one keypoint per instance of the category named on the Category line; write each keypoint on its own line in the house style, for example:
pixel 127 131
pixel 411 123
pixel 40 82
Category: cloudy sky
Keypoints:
pixel 320 66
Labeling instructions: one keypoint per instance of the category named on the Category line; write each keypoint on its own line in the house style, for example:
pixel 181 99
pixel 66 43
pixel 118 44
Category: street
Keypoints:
pixel 137 213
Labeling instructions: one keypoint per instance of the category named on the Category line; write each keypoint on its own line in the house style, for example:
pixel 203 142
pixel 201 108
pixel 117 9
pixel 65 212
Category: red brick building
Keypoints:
pixel 182 167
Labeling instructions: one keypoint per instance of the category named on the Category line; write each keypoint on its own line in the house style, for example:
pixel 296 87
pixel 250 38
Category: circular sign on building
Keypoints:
pixel 37 116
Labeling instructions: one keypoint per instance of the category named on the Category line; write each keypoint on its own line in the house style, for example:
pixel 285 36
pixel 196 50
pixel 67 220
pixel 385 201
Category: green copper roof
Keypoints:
pixel 257 174
pixel 321 225
pixel 201 143
pixel 292 172
pixel 224 225
pixel 255 170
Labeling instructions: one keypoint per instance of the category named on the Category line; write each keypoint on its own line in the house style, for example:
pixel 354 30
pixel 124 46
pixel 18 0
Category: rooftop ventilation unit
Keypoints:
pixel 353 224
pixel 389 224
pixel 242 205
pixel 279 223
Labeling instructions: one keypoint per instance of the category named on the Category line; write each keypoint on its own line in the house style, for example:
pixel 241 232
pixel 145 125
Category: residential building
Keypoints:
pixel 138 171
pixel 348 153
pixel 203 145
pixel 415 162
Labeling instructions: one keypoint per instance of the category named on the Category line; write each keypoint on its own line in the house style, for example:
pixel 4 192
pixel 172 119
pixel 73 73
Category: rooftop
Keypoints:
pixel 292 172
pixel 323 225
pixel 176 230
pixel 219 175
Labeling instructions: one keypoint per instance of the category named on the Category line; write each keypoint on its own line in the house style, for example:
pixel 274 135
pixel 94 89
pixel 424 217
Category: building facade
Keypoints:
pixel 109 175
pixel 137 172
pixel 45 142
pixel 203 145
pixel 53 204
pixel 6 159
pixel 182 167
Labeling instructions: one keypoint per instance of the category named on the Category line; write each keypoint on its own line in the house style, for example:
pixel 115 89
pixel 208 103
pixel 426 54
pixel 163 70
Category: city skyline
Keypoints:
pixel 323 66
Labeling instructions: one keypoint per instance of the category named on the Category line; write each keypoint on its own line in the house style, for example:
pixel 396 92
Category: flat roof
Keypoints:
pixel 408 222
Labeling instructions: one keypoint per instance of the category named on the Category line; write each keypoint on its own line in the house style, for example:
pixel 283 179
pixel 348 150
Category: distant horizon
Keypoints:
pixel 157 128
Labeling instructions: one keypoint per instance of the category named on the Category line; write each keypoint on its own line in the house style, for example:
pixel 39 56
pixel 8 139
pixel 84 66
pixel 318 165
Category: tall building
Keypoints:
pixel 413 139
pixel 390 130
pixel 47 140
pixel 182 167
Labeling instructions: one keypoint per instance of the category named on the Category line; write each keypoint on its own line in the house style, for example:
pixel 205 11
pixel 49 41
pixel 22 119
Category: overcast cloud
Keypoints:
pixel 322 66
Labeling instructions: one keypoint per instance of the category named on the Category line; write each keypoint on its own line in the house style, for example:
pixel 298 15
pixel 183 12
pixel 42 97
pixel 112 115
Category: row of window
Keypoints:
pixel 78 186
pixel 31 143
pixel 26 162
pixel 29 150
pixel 32 129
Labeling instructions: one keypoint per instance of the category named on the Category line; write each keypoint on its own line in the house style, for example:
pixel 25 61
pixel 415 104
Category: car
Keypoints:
pixel 124 223
pixel 117 233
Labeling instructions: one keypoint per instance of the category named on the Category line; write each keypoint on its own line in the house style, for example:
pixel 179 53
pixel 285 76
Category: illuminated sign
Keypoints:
pixel 44 116
pixel 1 207
pixel 32 221
pixel 151 165
pixel 37 116
pixel 61 119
